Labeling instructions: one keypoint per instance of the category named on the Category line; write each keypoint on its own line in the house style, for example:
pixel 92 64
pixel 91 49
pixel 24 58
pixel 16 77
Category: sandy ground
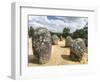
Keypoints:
pixel 59 56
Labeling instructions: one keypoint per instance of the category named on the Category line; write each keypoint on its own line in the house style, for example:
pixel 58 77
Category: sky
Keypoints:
pixel 57 23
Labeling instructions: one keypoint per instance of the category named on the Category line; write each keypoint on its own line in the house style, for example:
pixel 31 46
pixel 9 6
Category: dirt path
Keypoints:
pixel 59 56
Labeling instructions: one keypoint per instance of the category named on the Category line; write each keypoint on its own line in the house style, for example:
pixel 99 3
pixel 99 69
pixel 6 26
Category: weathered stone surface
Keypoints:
pixel 55 39
pixel 41 44
pixel 68 41
pixel 86 42
pixel 77 49
pixel 61 38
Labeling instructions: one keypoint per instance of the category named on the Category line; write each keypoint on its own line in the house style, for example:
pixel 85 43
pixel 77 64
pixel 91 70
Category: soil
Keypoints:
pixel 59 56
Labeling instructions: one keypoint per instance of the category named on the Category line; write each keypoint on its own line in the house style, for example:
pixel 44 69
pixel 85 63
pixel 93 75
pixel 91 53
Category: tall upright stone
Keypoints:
pixel 41 44
pixel 77 49
pixel 68 41
pixel 55 39
pixel 61 38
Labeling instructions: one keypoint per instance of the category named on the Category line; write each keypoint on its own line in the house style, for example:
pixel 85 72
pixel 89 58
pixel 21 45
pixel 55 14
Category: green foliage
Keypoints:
pixel 30 31
pixel 66 32
pixel 54 33
pixel 81 33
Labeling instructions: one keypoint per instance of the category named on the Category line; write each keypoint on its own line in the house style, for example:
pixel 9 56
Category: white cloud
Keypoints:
pixel 57 24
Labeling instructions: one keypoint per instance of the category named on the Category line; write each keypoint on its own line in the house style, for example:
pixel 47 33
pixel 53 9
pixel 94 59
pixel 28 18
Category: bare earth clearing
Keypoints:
pixel 59 56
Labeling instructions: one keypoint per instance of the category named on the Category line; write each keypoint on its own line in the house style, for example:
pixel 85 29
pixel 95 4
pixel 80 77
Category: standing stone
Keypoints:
pixel 41 44
pixel 61 38
pixel 55 39
pixel 68 41
pixel 77 49
pixel 86 42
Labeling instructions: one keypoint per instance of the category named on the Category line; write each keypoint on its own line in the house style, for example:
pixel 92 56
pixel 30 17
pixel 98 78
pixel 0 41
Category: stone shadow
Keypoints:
pixel 66 57
pixel 31 59
pixel 63 46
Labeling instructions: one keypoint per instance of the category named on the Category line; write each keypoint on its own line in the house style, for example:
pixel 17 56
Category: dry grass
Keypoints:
pixel 59 56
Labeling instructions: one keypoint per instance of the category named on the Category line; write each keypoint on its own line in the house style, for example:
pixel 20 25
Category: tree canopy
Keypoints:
pixel 66 32
pixel 81 33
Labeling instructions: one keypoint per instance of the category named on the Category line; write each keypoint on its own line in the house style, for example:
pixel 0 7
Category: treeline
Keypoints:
pixel 79 33
pixel 30 31
pixel 54 33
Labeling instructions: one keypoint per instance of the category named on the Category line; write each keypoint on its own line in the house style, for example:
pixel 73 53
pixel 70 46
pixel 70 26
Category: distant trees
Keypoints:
pixel 81 33
pixel 66 32
pixel 55 33
pixel 30 31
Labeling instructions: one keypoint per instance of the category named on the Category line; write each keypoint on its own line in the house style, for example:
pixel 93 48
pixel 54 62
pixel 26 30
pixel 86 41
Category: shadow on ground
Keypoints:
pixel 63 46
pixel 66 57
pixel 31 59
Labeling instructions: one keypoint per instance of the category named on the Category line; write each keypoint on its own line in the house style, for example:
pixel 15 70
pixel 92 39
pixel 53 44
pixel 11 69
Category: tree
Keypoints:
pixel 66 32
pixel 81 33
pixel 86 30
pixel 30 31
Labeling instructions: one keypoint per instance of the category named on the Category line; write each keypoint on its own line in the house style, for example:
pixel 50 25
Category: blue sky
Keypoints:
pixel 52 17
pixel 58 23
